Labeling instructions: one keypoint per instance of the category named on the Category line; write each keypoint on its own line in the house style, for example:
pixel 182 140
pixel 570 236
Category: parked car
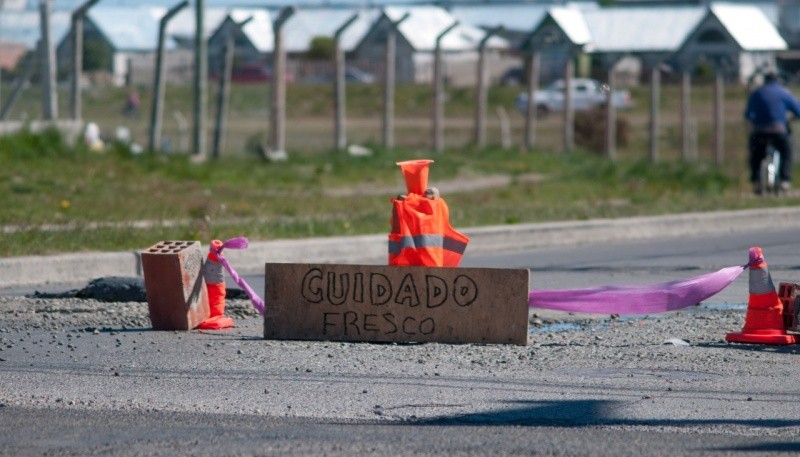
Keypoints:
pixel 586 94
pixel 514 76
pixel 251 73
pixel 352 75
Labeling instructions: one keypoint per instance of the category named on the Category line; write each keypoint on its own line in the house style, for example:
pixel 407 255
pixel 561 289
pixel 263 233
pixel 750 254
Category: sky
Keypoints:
pixel 72 4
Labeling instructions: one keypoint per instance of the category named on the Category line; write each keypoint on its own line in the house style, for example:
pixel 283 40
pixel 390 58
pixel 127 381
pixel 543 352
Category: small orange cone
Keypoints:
pixel 415 173
pixel 764 319
pixel 215 284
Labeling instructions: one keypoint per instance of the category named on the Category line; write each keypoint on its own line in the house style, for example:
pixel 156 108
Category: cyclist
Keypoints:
pixel 766 111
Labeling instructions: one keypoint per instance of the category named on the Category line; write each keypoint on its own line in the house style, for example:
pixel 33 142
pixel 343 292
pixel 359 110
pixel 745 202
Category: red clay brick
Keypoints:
pixel 787 292
pixel 176 292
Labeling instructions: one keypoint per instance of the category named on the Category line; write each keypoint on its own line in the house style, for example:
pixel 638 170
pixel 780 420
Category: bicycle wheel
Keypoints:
pixel 768 173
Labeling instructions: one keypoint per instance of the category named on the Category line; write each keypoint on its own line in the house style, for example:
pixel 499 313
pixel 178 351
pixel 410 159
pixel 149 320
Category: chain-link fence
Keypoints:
pixel 115 87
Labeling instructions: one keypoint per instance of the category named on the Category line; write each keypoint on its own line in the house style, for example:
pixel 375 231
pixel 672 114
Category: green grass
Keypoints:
pixel 87 201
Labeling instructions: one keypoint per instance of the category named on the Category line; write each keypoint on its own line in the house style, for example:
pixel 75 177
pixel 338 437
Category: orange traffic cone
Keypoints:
pixel 215 284
pixel 764 319
pixel 415 173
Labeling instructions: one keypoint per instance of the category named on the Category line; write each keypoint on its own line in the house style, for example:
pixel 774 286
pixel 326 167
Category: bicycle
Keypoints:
pixel 769 181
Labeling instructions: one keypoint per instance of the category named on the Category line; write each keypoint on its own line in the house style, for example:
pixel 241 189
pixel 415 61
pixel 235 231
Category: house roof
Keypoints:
pixel 258 29
pixel 306 24
pixel 128 29
pixel 572 22
pixel 425 23
pixel 749 26
pixel 522 17
pixel 11 54
pixel 662 28
pixel 182 25
pixel 641 29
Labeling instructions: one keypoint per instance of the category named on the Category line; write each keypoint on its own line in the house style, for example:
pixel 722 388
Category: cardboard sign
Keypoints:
pixel 396 304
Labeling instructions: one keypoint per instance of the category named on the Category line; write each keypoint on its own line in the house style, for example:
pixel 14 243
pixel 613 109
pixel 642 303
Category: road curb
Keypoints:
pixel 371 249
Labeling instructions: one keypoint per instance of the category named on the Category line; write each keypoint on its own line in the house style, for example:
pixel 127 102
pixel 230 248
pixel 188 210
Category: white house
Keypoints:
pixel 635 39
pixel 416 42
pixel 735 39
pixel 253 42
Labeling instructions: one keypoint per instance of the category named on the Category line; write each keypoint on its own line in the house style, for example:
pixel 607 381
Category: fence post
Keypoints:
pixel 200 81
pixel 532 82
pixel 157 110
pixel 388 82
pixel 75 101
pixel 223 93
pixel 438 90
pixel 611 116
pixel 22 80
pixel 569 113
pixel 719 116
pixel 340 94
pixel 481 89
pixel 686 87
pixel 278 108
pixel 655 99
pixel 48 74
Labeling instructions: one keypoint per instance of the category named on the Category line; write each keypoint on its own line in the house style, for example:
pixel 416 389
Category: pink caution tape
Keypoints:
pixel 239 242
pixel 636 299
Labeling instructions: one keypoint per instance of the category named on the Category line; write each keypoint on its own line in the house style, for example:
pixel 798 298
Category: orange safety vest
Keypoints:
pixel 422 235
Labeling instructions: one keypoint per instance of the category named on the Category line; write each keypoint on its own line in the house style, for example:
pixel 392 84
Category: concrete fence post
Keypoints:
pixel 438 90
pixel 48 73
pixel 200 82
pixel 389 82
pixel 159 83
pixel 278 101
pixel 482 89
pixel 655 99
pixel 339 82
pixel 75 101
pixel 532 83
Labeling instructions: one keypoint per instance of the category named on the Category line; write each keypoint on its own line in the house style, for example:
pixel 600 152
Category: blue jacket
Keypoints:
pixel 767 107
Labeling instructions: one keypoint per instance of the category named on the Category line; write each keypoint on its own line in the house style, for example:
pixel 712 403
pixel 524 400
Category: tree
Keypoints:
pixel 320 48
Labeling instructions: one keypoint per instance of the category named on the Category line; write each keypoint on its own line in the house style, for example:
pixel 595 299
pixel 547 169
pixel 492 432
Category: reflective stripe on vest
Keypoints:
pixel 427 241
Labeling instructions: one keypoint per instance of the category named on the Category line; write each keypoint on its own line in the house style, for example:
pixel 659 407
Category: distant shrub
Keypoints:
pixel 320 48
pixel 590 130
pixel 26 144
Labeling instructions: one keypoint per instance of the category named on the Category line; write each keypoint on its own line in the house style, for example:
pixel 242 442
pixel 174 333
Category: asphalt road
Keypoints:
pixel 90 378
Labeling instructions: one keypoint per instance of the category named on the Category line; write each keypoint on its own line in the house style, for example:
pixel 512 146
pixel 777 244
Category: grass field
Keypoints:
pixel 59 198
